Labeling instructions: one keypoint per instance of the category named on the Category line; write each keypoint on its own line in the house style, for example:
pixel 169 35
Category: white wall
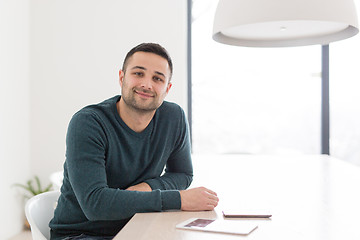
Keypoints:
pixel 77 48
pixel 60 56
pixel 14 112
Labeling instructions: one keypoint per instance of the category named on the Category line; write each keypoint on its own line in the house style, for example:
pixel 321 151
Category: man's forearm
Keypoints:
pixel 171 181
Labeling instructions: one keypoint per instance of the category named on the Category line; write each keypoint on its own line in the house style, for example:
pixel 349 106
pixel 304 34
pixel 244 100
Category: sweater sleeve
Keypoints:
pixel 86 148
pixel 179 171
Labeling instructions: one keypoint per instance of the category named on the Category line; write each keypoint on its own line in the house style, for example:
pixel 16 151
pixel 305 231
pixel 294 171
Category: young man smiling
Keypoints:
pixel 117 151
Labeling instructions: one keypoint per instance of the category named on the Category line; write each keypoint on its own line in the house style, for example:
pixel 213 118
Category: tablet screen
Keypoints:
pixel 217 225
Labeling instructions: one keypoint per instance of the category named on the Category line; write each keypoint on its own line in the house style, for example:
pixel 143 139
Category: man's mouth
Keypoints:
pixel 144 94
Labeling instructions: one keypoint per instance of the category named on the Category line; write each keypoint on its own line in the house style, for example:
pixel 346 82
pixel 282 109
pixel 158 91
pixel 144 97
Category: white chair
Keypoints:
pixel 39 210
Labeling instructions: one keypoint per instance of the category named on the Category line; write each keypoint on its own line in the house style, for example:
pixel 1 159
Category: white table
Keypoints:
pixel 310 197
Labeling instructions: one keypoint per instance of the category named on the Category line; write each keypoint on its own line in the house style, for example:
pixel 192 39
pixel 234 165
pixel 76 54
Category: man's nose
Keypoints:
pixel 146 83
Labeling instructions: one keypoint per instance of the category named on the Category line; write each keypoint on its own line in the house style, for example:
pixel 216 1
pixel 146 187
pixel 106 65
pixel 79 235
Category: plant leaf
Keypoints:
pixel 31 188
pixel 48 188
pixel 38 184
pixel 22 186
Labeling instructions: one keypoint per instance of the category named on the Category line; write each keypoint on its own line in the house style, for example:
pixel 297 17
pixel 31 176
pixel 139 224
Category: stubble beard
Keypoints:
pixel 132 102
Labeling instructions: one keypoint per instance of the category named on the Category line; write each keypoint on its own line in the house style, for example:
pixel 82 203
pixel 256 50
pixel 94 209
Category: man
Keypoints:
pixel 117 150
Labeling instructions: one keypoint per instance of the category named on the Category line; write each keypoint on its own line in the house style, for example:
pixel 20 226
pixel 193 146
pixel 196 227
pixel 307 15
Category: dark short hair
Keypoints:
pixel 149 48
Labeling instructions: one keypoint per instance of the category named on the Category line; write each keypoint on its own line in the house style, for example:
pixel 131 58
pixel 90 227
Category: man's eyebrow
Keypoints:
pixel 140 67
pixel 143 68
pixel 160 73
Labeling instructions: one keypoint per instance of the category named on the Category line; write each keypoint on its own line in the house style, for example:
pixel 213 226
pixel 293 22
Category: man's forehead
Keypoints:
pixel 148 60
pixel 151 62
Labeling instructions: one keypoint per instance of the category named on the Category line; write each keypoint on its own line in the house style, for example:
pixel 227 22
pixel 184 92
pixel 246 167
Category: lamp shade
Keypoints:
pixel 284 23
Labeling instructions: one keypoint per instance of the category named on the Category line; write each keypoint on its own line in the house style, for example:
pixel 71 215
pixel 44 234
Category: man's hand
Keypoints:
pixel 198 199
pixel 141 187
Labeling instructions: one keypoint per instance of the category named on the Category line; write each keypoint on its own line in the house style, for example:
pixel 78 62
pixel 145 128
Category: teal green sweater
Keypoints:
pixel 104 157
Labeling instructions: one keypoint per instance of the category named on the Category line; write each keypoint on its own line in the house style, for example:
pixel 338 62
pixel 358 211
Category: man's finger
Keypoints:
pixel 211 192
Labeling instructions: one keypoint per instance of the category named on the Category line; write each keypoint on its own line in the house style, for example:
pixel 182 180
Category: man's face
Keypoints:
pixel 145 82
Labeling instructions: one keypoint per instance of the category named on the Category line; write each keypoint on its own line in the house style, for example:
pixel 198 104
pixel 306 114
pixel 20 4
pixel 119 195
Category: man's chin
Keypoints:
pixel 145 108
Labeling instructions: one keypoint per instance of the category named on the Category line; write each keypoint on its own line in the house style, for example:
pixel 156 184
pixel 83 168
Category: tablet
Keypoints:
pixel 219 226
pixel 248 214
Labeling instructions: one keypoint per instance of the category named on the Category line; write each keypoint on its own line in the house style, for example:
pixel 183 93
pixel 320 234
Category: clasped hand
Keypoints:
pixel 198 199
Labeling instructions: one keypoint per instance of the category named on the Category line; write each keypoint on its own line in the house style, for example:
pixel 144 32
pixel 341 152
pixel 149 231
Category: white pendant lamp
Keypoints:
pixel 284 23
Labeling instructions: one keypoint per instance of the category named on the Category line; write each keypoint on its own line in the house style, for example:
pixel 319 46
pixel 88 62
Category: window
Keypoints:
pixel 252 100
pixel 345 98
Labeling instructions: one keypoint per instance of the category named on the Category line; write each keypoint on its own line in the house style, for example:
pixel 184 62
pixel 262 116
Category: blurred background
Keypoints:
pixel 268 100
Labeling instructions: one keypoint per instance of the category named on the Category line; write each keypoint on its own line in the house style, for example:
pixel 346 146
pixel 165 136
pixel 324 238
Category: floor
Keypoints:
pixel 26 235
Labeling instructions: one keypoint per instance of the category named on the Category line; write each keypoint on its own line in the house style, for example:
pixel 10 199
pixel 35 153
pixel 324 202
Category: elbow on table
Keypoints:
pixel 95 214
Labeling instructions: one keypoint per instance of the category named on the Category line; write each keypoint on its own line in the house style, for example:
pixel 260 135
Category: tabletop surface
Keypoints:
pixel 310 197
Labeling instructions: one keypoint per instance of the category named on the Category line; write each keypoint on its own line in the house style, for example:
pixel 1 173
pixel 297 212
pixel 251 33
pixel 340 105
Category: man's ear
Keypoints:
pixel 168 87
pixel 121 77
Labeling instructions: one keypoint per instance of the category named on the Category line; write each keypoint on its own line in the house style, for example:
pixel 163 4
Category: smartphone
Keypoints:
pixel 229 214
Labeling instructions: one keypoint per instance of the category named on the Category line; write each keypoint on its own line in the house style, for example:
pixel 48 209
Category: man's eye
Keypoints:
pixel 138 73
pixel 158 79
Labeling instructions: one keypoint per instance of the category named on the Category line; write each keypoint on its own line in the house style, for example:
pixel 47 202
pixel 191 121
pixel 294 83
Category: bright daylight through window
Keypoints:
pixel 345 98
pixel 268 100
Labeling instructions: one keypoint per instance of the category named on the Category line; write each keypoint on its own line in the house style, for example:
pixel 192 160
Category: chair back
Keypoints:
pixel 39 210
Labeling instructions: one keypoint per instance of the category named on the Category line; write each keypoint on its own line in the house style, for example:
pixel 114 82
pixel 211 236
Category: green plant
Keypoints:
pixel 33 189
